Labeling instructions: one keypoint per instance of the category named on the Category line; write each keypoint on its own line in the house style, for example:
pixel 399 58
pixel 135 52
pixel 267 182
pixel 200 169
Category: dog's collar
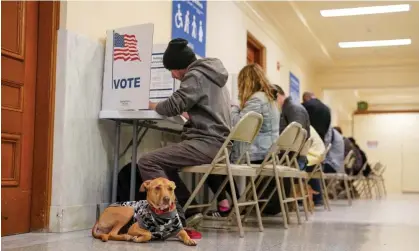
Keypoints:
pixel 160 212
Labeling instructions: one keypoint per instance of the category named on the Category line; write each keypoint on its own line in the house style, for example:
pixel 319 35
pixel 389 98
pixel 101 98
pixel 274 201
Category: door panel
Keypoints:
pixel 19 21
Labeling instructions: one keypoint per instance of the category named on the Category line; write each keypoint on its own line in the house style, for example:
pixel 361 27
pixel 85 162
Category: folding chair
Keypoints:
pixel 377 180
pixel 317 173
pixel 273 167
pixel 245 131
pixel 362 184
pixel 356 179
pixel 333 177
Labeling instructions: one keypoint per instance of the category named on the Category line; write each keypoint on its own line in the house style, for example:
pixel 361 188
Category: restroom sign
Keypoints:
pixel 189 21
pixel 126 81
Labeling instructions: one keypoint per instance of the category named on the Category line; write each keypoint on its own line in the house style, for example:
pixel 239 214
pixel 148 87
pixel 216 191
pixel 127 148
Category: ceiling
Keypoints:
pixel 317 37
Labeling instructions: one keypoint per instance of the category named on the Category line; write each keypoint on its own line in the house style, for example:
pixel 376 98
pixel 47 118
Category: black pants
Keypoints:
pixel 273 207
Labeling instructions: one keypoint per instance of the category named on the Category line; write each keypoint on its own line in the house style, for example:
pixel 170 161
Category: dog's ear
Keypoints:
pixel 172 185
pixel 145 185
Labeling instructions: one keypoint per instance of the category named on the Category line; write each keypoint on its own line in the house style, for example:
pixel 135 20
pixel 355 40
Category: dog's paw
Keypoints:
pixel 128 237
pixel 139 239
pixel 190 242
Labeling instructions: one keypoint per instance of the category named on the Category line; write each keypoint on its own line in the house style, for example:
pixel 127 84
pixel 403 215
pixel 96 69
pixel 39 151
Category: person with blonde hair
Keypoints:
pixel 255 94
pixel 258 95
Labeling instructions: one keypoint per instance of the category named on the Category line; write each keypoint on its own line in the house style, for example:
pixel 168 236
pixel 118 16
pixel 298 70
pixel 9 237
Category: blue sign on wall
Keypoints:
pixel 294 87
pixel 189 21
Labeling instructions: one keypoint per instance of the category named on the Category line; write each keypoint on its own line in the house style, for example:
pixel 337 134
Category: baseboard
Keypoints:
pixel 73 218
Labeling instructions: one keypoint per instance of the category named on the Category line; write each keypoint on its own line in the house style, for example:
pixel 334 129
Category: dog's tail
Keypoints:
pixel 94 230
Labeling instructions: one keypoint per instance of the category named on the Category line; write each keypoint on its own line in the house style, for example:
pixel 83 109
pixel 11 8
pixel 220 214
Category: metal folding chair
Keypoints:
pixel 245 131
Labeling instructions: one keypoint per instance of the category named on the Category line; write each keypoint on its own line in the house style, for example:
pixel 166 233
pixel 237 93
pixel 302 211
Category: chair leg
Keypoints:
pixel 369 188
pixel 348 193
pixel 306 184
pixel 305 197
pixel 196 191
pixel 384 186
pixel 285 196
pixel 235 204
pixel 325 194
pixel 214 199
pixel 255 198
pixel 281 201
pixel 294 194
pixel 259 195
pixel 268 199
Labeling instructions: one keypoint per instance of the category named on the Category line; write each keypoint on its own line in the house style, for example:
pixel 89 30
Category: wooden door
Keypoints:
pixel 19 28
pixel 250 54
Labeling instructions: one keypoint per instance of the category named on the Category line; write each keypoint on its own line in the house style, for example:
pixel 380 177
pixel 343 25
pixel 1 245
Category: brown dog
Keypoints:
pixel 155 218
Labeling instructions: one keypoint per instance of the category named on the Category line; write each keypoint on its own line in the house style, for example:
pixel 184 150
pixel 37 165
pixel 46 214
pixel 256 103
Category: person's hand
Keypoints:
pixel 234 103
pixel 185 115
pixel 151 105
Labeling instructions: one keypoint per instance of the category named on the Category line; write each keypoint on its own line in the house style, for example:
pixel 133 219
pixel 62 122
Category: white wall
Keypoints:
pixel 226 32
pixel 87 21
pixel 398 147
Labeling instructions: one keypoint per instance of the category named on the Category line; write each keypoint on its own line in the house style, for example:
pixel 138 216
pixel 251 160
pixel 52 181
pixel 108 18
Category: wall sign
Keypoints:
pixel 372 144
pixel 189 21
pixel 162 84
pixel 294 87
pixel 126 81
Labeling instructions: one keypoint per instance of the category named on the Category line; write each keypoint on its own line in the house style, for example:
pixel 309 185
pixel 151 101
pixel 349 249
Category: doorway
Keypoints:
pixel 255 51
pixel 28 46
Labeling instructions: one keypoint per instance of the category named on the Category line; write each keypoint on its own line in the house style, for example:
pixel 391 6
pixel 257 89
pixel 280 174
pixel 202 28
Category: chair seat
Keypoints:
pixel 284 171
pixel 336 176
pixel 221 169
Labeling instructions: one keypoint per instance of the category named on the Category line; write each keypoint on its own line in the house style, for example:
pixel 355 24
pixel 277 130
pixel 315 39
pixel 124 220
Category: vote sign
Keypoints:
pixel 126 81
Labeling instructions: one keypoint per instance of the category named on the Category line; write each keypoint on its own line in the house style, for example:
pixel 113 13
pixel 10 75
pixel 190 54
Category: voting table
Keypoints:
pixel 139 120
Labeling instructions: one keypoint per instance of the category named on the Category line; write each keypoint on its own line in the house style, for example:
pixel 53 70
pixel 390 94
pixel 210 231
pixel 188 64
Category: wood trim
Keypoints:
pixel 49 16
pixel 259 46
pixel 384 111
pixel 20 53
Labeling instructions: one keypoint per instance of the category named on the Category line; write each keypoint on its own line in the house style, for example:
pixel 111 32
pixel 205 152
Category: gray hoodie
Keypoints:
pixel 204 96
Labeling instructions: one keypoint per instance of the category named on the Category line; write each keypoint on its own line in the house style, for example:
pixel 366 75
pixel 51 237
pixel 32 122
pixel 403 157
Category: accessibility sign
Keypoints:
pixel 189 21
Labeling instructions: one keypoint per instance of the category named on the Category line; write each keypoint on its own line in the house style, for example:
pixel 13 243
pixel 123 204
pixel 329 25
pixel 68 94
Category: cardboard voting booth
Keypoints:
pixel 126 80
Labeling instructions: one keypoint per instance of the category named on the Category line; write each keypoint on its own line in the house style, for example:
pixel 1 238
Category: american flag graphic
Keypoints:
pixel 125 48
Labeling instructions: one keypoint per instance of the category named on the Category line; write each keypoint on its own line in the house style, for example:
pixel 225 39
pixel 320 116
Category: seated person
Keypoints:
pixel 334 162
pixel 313 158
pixel 204 96
pixel 292 111
pixel 257 95
pixel 364 159
pixel 319 113
pixel 357 154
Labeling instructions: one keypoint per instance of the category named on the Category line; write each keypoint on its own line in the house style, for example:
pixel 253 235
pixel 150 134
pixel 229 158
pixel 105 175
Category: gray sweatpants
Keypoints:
pixel 167 161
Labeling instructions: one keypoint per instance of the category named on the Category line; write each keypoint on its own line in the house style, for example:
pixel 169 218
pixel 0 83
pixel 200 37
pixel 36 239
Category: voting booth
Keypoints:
pixel 134 72
pixel 133 76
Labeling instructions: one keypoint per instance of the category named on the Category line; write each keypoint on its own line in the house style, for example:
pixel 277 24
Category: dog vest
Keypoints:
pixel 161 226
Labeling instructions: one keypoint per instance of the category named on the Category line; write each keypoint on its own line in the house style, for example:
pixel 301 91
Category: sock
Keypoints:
pixel 223 205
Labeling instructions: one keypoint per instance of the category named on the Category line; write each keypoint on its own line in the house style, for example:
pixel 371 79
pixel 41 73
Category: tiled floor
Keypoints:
pixel 389 224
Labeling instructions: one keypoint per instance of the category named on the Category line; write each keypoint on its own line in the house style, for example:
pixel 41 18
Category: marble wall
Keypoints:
pixel 83 145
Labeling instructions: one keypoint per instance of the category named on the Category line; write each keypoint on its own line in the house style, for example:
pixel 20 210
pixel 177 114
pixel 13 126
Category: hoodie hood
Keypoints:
pixel 212 68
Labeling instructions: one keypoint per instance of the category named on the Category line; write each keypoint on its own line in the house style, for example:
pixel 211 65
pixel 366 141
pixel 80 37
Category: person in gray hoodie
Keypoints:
pixel 205 99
